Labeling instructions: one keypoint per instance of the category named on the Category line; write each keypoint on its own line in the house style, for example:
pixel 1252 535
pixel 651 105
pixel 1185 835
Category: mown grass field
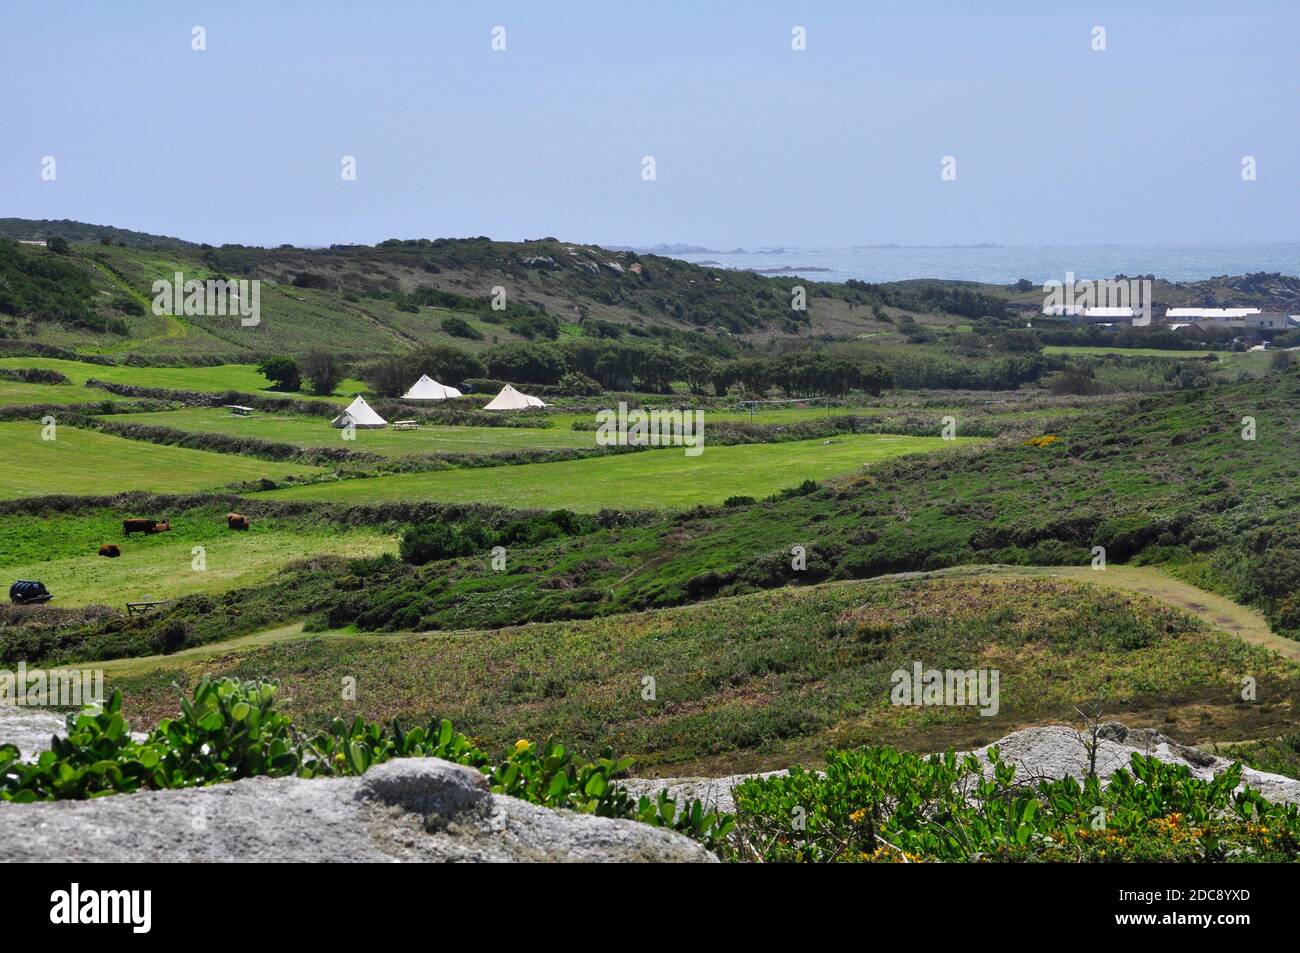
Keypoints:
pixel 23 394
pixel 651 479
pixel 222 377
pixel 84 462
pixel 758 681
pixel 317 432
pixel 1251 362
pixel 60 549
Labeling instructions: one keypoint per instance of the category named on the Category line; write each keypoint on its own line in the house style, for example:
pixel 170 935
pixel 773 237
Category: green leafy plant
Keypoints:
pixel 880 804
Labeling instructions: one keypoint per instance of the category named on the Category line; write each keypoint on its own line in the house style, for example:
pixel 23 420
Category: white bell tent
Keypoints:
pixel 426 388
pixel 511 399
pixel 360 415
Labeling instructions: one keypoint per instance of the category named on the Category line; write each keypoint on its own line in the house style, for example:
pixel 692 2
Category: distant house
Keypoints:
pixel 1212 317
pixel 1079 315
pixel 1268 321
pixel 38 243
pixel 1209 314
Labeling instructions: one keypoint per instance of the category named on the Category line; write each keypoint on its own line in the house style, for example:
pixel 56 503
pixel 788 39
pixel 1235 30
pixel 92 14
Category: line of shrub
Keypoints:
pixel 33 375
pixel 193 398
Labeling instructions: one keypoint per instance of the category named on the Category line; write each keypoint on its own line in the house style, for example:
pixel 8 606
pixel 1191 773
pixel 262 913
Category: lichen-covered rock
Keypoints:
pixel 409 809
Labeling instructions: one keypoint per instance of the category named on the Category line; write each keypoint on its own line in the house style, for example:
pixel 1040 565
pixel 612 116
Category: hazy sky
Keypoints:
pixel 754 143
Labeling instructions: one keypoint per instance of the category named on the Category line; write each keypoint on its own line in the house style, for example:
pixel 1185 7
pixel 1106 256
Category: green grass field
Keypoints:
pixel 22 394
pixel 651 479
pixel 88 463
pixel 1252 362
pixel 61 550
pixel 222 377
pixel 317 432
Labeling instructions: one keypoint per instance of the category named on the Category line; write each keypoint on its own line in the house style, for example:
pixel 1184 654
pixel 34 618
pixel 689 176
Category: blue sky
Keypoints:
pixel 754 144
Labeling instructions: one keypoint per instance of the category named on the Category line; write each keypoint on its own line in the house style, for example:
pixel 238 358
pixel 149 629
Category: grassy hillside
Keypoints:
pixel 1168 479
pixel 759 681
pixel 399 295
pixel 1165 480
pixel 31 229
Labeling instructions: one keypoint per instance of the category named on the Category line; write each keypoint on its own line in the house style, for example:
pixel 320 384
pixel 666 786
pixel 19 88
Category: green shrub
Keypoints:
pixel 429 542
pixel 880 804
pixel 460 328
pixel 283 373
pixel 577 384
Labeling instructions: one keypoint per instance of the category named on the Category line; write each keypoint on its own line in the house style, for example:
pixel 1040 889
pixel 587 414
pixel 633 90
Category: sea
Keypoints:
pixel 999 264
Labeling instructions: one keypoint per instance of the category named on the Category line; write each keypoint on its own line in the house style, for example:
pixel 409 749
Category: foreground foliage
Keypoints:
pixel 880 804
pixel 231 730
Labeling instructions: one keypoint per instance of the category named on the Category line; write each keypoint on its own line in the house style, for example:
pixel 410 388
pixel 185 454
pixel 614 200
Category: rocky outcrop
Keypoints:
pixel 29 728
pixel 1049 752
pixel 406 810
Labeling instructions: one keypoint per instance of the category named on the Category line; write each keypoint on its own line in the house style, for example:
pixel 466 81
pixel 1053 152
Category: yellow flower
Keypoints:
pixel 857 816
pixel 522 745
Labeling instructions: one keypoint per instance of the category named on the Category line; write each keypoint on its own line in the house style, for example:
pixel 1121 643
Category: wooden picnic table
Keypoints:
pixel 133 607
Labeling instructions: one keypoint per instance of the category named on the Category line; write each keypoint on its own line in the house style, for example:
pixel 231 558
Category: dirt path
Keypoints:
pixel 1218 611
pixel 173 327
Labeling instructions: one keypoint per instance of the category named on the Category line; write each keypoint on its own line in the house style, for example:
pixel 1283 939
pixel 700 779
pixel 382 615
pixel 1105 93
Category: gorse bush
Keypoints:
pixel 33 375
pixel 880 804
pixel 427 542
pixel 231 730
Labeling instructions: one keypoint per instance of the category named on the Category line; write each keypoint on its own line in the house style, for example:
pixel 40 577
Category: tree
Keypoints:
pixel 656 371
pixel 446 364
pixel 324 370
pixel 58 245
pixel 283 374
pixel 698 370
pixel 387 376
pixel 530 363
pixel 874 378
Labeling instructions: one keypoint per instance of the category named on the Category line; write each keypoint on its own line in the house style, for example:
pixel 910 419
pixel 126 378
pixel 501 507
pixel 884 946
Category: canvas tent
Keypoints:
pixel 360 415
pixel 511 399
pixel 426 388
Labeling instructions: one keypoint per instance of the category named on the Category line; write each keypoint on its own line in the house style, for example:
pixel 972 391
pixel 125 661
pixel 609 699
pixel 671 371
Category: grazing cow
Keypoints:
pixel 236 521
pixel 111 550
pixel 163 527
pixel 138 526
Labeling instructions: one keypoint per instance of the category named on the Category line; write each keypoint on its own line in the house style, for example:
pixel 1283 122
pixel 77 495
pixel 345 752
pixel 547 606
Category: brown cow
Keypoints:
pixel 236 521
pixel 111 550
pixel 138 526
pixel 163 527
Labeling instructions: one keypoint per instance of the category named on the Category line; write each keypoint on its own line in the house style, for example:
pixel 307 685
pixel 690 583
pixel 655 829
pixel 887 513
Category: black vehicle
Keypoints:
pixel 26 591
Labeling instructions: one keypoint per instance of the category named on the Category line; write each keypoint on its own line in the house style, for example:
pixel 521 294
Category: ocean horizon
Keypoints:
pixel 1005 264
